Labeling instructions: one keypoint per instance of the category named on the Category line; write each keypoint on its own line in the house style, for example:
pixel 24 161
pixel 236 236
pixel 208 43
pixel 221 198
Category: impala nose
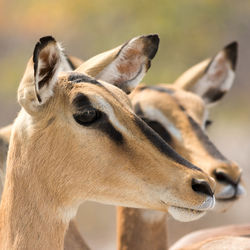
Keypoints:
pixel 233 187
pixel 225 178
pixel 202 187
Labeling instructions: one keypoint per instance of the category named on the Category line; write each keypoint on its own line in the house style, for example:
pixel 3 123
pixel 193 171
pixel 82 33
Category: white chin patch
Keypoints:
pixel 226 193
pixel 184 214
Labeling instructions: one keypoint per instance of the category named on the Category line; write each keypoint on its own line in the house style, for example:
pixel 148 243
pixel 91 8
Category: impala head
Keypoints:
pixel 178 113
pixel 82 139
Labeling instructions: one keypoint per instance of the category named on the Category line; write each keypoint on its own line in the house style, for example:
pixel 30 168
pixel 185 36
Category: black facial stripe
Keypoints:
pixel 72 66
pixel 161 145
pixel 214 94
pixel 208 145
pixel 158 128
pixel 106 127
pixel 81 101
pixel 138 110
pixel 77 78
pixel 159 89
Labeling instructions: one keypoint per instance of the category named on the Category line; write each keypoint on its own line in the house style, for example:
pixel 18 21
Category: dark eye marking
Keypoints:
pixel 80 101
pixel 161 145
pixel 87 115
pixel 77 78
pixel 208 145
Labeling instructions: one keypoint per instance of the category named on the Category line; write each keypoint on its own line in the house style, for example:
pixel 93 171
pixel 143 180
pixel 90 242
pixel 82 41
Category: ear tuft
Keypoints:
pixel 231 51
pixel 151 45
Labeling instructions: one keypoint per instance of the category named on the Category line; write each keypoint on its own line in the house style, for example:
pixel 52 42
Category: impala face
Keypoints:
pixel 97 148
pixel 180 117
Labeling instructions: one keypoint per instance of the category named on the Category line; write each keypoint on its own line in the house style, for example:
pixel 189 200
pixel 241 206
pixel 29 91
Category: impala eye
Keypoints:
pixel 87 116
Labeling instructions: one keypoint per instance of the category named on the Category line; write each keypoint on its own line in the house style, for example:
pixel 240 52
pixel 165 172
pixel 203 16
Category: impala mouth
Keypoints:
pixel 230 193
pixel 186 214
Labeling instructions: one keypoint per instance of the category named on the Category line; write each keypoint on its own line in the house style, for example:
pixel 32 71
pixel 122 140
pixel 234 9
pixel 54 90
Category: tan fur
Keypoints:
pixel 202 237
pixel 221 243
pixel 73 239
pixel 54 164
pixel 138 233
pixel 191 76
pixel 97 63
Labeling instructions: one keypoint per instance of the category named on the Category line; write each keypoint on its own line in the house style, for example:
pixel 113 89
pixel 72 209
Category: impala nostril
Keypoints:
pixel 224 178
pixel 201 186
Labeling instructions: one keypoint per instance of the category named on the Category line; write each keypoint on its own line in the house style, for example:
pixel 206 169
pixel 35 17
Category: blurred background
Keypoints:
pixel 190 31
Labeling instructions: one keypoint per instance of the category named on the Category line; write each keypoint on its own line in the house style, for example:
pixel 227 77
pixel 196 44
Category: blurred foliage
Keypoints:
pixel 190 30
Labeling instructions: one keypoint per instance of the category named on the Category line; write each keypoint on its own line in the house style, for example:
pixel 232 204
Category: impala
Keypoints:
pixel 77 138
pixel 178 113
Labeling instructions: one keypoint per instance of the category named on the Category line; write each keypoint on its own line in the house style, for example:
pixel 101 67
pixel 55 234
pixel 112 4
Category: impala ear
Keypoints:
pixel 49 60
pixel 212 79
pixel 124 66
pixel 41 74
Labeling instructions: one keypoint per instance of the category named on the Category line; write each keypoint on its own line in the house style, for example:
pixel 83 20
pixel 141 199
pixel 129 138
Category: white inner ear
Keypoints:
pixel 128 68
pixel 61 65
pixel 154 114
pixel 219 76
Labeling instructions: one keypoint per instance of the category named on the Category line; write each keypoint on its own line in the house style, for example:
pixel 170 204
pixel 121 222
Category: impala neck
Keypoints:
pixel 141 229
pixel 26 224
pixel 29 214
